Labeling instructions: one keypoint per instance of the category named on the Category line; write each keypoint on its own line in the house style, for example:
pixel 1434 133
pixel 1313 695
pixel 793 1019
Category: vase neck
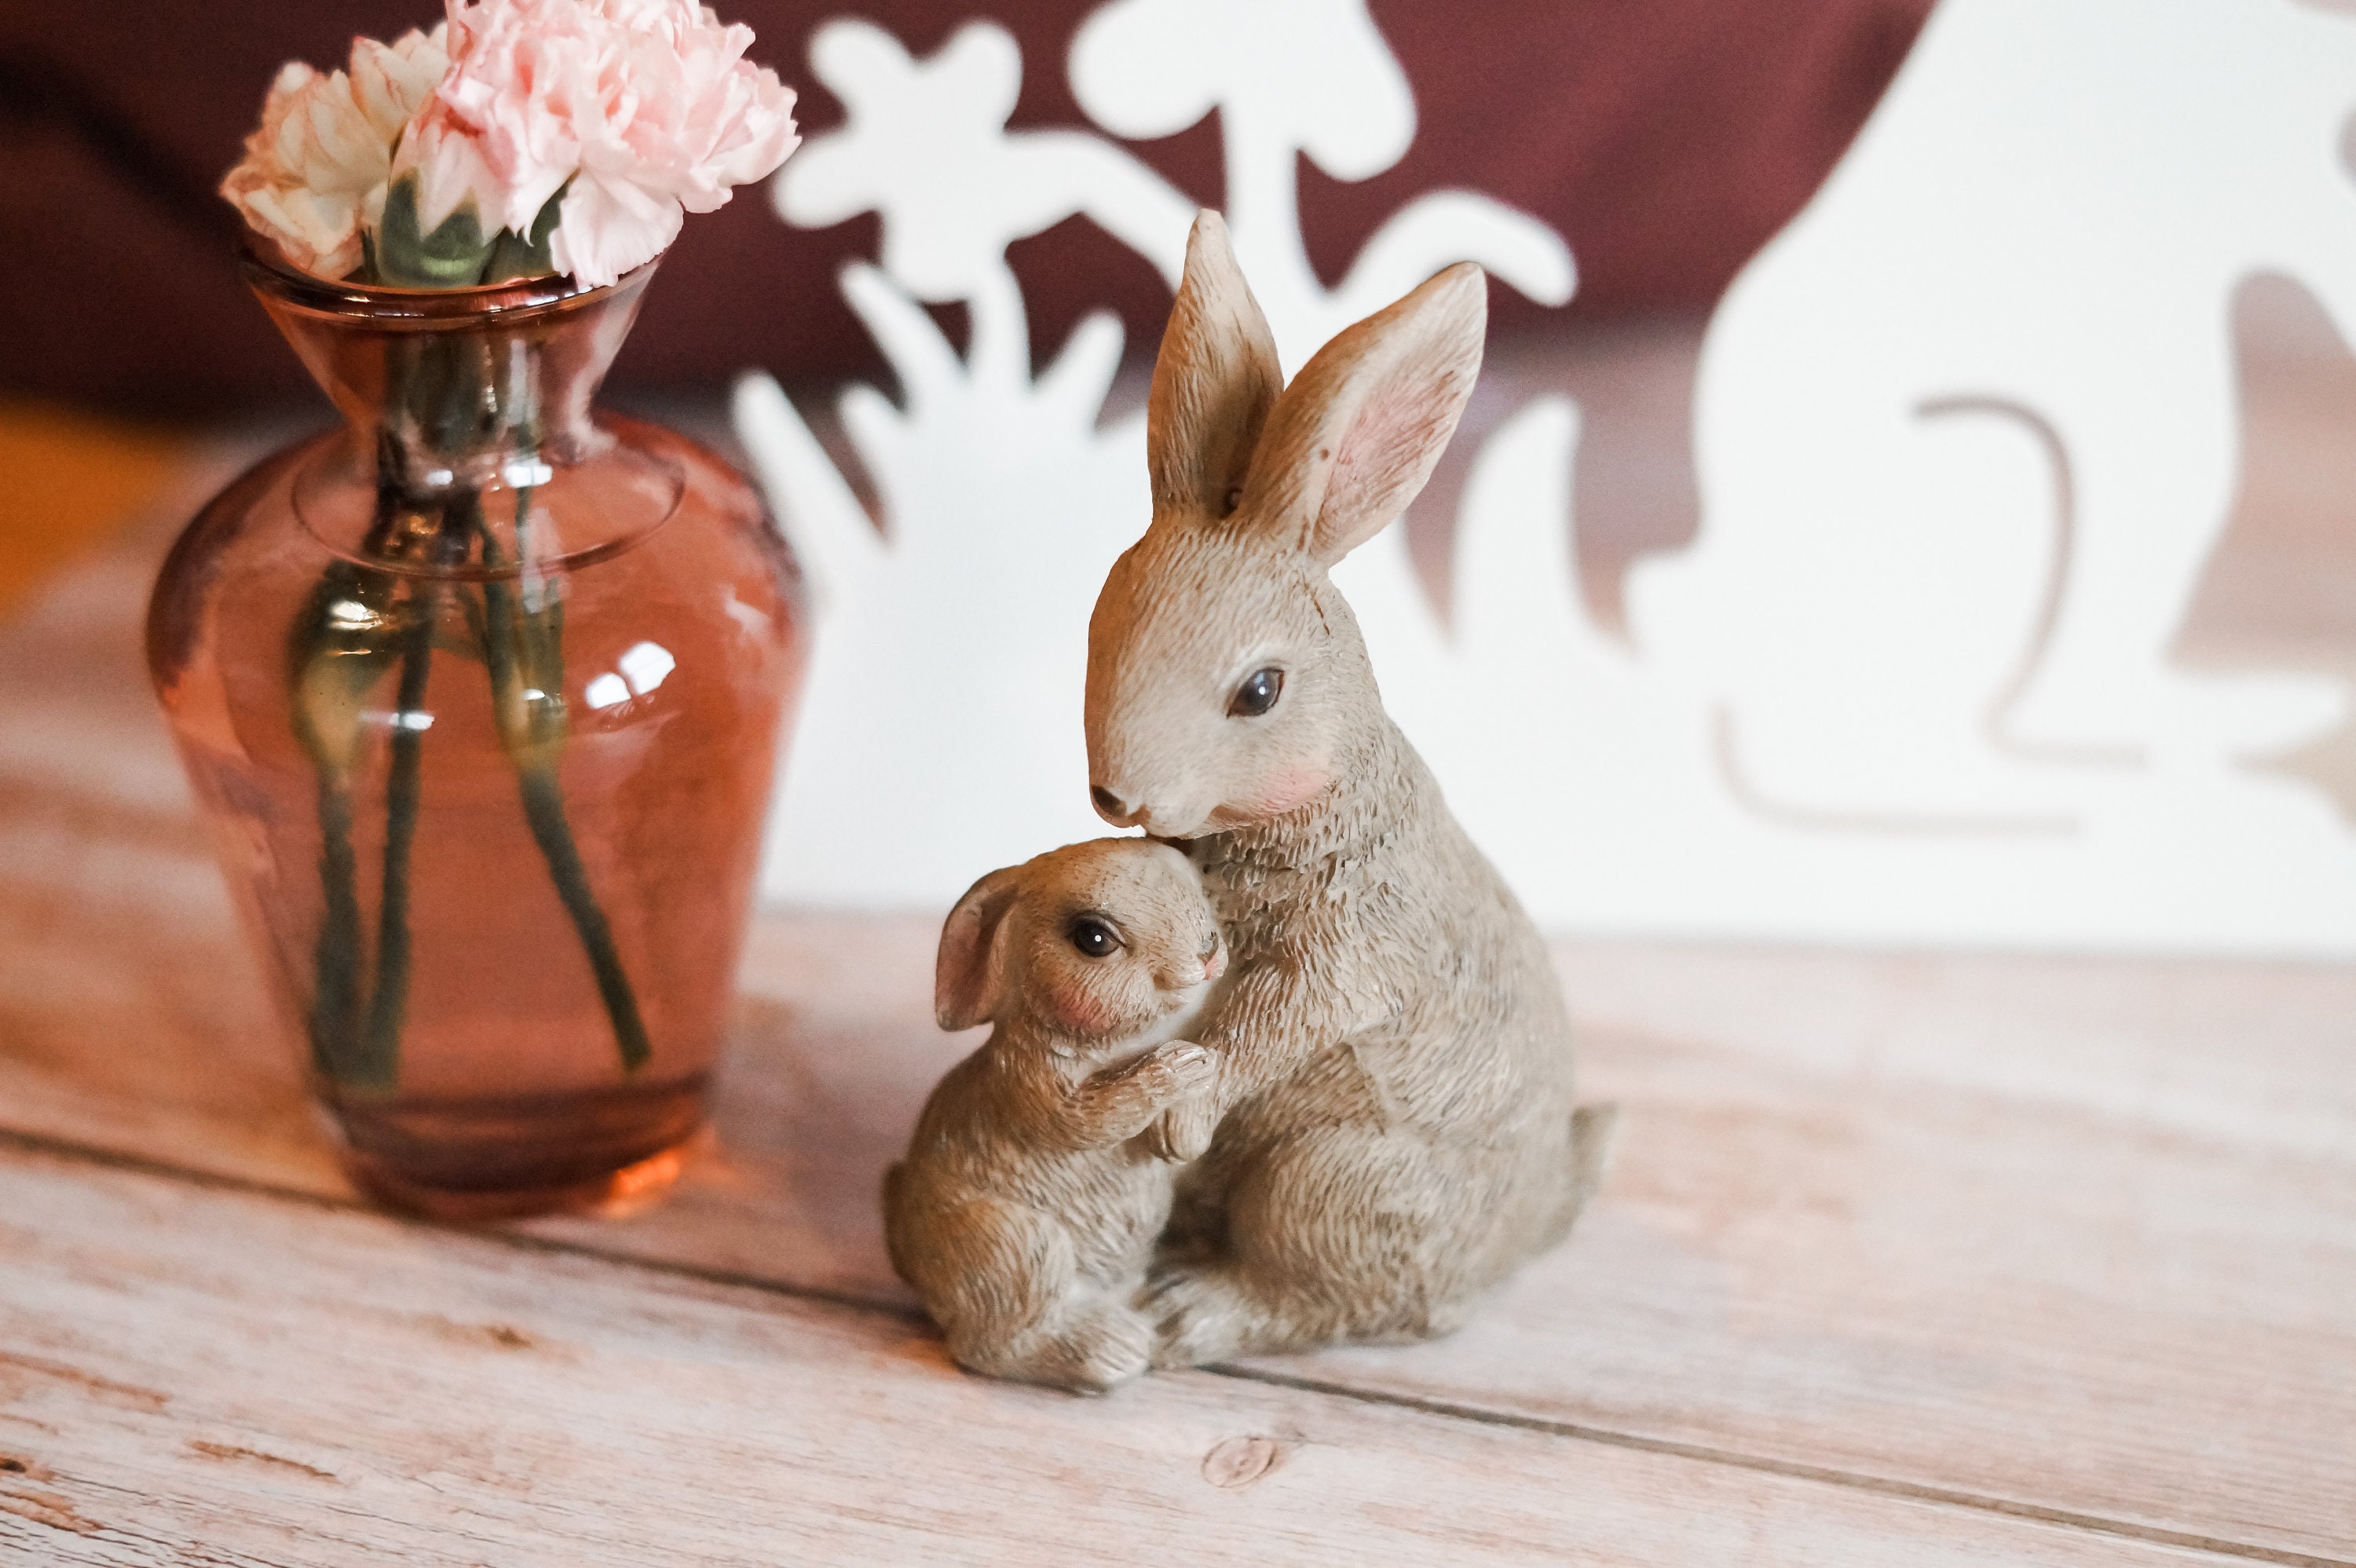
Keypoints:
pixel 467 414
pixel 458 411
pixel 457 390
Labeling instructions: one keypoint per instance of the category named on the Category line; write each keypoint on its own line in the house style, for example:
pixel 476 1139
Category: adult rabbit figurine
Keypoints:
pixel 1027 1206
pixel 1395 1130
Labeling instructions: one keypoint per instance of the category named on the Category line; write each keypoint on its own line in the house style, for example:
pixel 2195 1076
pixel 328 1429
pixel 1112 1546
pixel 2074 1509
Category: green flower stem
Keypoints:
pixel 337 649
pixel 361 623
pixel 543 807
pixel 379 1058
pixel 523 648
pixel 335 996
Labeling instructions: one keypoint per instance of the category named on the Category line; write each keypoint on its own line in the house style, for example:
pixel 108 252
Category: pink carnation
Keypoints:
pixel 646 107
pixel 314 171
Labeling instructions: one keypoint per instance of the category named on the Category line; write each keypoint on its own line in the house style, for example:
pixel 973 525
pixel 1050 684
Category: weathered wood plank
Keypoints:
pixel 131 1011
pixel 1912 1278
pixel 213 1377
pixel 2074 1233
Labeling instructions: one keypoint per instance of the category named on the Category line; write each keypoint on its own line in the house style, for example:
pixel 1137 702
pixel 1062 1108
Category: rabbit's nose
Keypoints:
pixel 1111 807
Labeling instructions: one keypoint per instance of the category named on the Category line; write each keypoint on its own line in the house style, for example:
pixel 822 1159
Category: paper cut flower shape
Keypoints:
pixel 1315 74
pixel 926 146
pixel 1310 77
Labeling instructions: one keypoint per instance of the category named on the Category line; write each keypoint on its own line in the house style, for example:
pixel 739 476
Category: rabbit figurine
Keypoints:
pixel 1392 1103
pixel 1027 1206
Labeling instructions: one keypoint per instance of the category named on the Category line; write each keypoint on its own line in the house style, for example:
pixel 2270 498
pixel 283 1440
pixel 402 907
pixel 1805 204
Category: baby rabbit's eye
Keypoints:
pixel 1093 937
pixel 1258 694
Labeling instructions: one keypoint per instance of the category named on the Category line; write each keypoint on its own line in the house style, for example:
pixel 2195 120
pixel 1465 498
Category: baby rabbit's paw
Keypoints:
pixel 1116 1105
pixel 1182 1134
pixel 1172 1071
pixel 1105 1346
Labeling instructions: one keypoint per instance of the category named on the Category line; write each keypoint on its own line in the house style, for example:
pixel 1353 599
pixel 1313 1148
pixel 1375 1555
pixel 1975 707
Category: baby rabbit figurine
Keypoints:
pixel 1393 1124
pixel 1027 1206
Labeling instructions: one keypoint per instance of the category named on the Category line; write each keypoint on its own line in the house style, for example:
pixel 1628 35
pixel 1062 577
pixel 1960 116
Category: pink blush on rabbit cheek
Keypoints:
pixel 1077 1011
pixel 1293 788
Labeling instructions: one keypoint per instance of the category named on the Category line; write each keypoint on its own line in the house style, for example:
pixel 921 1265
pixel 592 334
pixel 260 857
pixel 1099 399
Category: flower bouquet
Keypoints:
pixel 507 1007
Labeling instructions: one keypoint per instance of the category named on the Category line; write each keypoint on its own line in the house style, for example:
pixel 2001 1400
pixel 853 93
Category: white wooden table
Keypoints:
pixel 1905 1260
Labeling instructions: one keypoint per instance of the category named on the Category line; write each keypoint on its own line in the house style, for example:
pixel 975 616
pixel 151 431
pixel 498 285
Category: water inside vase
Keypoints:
pixel 460 1030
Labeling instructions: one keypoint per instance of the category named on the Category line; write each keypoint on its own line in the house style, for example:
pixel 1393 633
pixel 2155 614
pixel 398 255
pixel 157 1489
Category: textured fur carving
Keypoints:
pixel 1392 1114
pixel 1027 1206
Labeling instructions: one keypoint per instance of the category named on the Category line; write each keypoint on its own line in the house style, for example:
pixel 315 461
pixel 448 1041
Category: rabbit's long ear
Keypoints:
pixel 1213 382
pixel 1356 434
pixel 965 986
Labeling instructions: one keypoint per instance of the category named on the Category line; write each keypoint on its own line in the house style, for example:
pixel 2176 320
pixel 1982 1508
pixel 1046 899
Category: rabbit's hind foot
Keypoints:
pixel 1212 1311
pixel 1093 1346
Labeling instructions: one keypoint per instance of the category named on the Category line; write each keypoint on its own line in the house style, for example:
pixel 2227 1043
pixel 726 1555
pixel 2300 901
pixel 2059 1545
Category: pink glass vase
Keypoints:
pixel 482 693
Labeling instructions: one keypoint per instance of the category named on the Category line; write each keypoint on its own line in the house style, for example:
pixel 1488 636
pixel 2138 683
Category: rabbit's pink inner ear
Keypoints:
pixel 1359 430
pixel 965 989
pixel 1213 382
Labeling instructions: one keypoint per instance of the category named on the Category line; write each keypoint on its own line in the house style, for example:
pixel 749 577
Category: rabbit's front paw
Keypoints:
pixel 1120 1102
pixel 1169 1073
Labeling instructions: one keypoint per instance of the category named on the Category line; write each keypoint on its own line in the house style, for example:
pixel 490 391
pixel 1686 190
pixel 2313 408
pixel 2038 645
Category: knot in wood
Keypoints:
pixel 1240 1461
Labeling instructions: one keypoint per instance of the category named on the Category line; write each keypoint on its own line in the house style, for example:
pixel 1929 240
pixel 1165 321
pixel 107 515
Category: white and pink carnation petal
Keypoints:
pixel 286 91
pixel 510 90
pixel 391 81
pixel 308 169
pixel 276 151
pixel 670 19
pixel 765 133
pixel 342 152
pixel 608 226
pixel 633 109
pixel 319 231
pixel 450 170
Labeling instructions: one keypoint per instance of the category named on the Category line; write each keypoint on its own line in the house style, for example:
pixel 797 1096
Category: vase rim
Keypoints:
pixel 269 272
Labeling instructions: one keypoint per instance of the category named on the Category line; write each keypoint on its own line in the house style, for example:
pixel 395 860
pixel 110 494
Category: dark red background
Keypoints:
pixel 1667 140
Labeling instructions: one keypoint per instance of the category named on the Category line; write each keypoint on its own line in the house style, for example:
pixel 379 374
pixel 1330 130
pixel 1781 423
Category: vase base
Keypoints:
pixel 617 1195
pixel 471 1161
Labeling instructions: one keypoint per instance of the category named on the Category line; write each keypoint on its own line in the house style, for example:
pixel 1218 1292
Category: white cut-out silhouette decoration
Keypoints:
pixel 1966 436
pixel 1315 78
pixel 1974 410
pixel 941 731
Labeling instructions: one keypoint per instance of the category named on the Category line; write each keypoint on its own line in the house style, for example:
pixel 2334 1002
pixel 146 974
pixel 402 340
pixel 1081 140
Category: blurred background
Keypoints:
pixel 1666 141
pixel 1665 145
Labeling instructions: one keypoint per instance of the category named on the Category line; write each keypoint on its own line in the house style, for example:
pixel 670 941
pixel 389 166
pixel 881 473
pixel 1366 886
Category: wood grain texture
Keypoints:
pixel 2069 1235
pixel 131 1010
pixel 192 1376
pixel 2063 1287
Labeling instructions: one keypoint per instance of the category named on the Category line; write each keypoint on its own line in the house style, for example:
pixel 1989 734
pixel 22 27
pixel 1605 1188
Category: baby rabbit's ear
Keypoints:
pixel 965 991
pixel 1213 384
pixel 1356 434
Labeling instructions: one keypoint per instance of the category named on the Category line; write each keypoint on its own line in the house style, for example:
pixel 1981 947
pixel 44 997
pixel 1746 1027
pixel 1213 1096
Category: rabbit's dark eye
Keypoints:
pixel 1258 694
pixel 1093 937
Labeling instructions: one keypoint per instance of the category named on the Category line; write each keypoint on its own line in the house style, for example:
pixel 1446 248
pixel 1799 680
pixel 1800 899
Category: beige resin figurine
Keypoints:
pixel 1028 1205
pixel 1395 1130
